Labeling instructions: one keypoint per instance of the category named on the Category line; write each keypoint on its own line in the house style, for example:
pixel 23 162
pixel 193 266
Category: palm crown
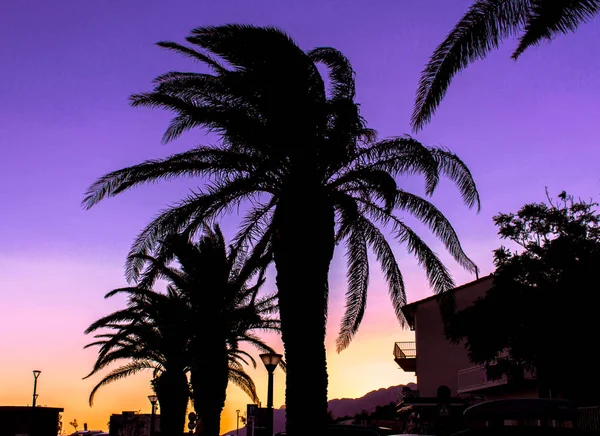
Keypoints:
pixel 482 28
pixel 210 308
pixel 221 287
pixel 296 157
pixel 276 123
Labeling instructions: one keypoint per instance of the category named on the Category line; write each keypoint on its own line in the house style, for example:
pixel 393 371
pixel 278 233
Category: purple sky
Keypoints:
pixel 68 67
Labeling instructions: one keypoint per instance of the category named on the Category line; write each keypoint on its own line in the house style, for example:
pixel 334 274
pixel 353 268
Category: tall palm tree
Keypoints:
pixel 149 335
pixel 482 28
pixel 297 157
pixel 220 285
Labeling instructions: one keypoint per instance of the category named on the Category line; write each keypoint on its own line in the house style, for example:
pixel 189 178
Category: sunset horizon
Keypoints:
pixel 521 128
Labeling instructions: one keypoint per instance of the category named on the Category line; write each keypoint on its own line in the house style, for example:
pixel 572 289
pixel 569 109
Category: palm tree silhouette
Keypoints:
pixel 296 156
pixel 207 313
pixel 482 28
pixel 220 285
pixel 149 335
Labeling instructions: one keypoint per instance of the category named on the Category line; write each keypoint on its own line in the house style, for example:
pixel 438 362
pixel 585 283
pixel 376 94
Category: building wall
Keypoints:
pixel 438 361
pixel 38 421
pixel 133 424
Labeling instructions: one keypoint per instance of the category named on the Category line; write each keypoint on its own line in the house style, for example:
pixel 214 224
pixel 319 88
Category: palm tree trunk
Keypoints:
pixel 209 380
pixel 303 248
pixel 173 395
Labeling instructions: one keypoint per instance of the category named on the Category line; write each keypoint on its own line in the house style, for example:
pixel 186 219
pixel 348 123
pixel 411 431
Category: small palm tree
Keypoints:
pixel 148 335
pixel 299 159
pixel 482 28
pixel 225 311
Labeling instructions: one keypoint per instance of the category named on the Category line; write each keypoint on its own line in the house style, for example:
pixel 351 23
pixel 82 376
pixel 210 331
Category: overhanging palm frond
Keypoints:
pixel 193 54
pixel 358 284
pixel 189 215
pixel 242 380
pixel 121 373
pixel 340 71
pixel 451 166
pixel 550 17
pixel 486 23
pixel 119 316
pixel 431 216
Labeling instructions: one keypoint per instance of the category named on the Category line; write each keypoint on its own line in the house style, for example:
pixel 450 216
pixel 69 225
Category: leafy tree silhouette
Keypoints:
pixel 542 307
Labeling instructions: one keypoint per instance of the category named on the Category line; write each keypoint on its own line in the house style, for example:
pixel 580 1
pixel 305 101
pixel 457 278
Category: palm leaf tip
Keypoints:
pixel 484 25
pixel 550 17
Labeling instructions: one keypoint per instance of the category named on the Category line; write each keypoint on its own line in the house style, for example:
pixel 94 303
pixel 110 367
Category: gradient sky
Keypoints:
pixel 67 70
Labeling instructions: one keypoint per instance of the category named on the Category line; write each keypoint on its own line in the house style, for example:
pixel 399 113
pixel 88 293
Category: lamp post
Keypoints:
pixel 153 399
pixel 270 360
pixel 237 423
pixel 36 374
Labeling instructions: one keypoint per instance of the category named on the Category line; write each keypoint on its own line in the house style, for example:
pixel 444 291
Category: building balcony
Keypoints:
pixel 475 379
pixel 405 355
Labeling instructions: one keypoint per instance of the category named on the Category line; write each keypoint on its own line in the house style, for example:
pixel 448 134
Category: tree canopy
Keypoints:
pixel 540 313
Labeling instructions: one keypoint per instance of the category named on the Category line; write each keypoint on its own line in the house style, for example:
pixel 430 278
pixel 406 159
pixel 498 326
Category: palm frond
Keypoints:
pixel 193 54
pixel 429 215
pixel 438 275
pixel 189 215
pixel 121 373
pixel 451 166
pixel 358 283
pixel 340 71
pixel 486 23
pixel 244 382
pixel 547 18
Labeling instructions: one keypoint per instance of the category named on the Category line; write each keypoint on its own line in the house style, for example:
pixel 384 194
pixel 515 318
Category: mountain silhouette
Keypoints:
pixel 341 407
pixel 352 406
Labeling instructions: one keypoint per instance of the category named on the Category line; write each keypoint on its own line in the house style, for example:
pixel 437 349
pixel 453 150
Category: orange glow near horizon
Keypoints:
pixel 60 383
pixel 46 333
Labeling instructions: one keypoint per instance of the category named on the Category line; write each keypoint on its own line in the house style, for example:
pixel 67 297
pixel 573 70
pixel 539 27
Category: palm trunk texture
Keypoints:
pixel 209 385
pixel 173 395
pixel 303 248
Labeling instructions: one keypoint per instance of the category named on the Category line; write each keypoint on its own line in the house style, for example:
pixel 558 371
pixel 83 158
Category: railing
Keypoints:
pixel 588 418
pixel 405 350
pixel 408 394
pixel 475 378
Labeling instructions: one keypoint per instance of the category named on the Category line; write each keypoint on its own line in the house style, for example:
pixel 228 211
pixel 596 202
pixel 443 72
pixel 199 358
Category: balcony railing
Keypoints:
pixel 405 350
pixel 405 354
pixel 408 394
pixel 475 378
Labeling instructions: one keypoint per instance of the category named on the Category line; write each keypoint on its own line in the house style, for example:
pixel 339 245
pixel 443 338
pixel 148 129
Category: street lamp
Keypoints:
pixel 153 399
pixel 36 374
pixel 237 423
pixel 270 360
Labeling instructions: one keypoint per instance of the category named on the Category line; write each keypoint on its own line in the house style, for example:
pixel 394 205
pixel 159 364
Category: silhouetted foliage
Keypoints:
pixel 220 285
pixel 389 411
pixel 149 334
pixel 541 311
pixel 482 28
pixel 300 161
pixel 197 326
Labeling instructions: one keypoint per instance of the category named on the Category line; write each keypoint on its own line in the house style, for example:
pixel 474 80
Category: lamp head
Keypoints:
pixel 271 360
pixel 36 373
pixel 153 399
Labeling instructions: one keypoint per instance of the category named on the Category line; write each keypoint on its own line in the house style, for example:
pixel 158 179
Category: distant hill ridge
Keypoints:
pixel 340 407
pixel 380 397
